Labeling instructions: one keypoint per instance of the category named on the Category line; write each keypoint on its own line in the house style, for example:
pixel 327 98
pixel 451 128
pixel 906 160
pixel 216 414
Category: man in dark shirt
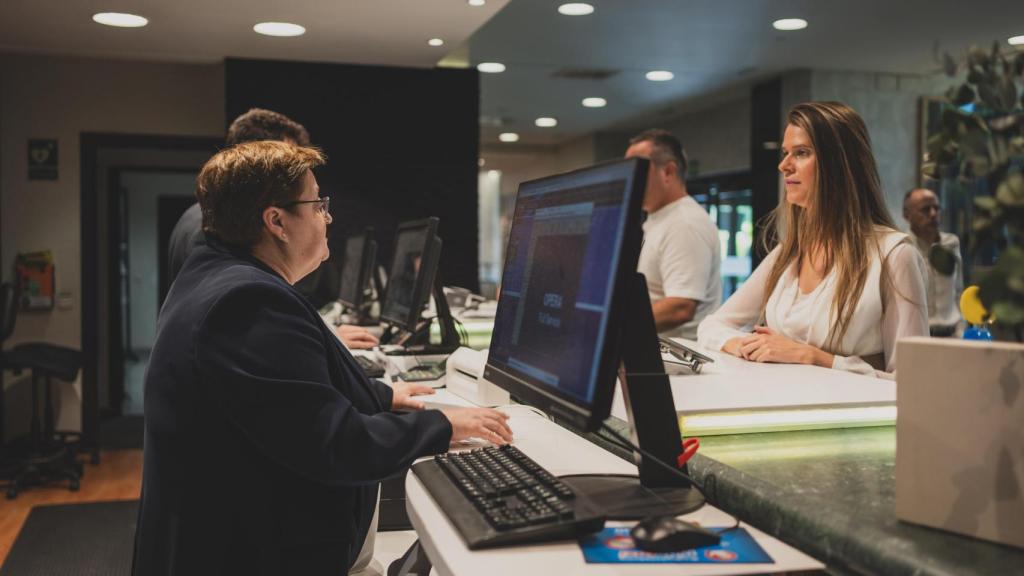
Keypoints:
pixel 256 124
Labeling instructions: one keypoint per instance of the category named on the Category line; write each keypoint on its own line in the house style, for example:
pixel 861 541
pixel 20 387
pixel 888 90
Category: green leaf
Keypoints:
pixel 990 96
pixel 1016 283
pixel 948 65
pixel 986 203
pixel 963 95
pixel 930 170
pixel 1011 191
pixel 1007 92
pixel 942 260
pixel 1008 313
pixel 977 57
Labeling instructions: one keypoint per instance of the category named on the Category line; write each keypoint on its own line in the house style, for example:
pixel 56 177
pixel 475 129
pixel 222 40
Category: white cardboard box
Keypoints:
pixel 960 437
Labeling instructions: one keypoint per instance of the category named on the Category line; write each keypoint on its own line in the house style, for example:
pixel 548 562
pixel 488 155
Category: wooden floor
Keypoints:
pixel 118 477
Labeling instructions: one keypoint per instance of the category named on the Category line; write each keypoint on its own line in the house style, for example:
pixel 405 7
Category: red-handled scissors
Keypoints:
pixel 690 447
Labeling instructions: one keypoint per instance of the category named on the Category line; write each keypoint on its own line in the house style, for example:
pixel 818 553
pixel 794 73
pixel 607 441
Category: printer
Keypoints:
pixel 464 378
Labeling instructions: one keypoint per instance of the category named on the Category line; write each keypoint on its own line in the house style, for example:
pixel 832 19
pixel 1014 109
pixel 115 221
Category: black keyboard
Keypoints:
pixel 423 373
pixel 371 368
pixel 499 496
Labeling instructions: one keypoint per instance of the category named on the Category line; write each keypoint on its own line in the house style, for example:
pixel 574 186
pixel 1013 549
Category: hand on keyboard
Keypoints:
pixel 483 423
pixel 403 396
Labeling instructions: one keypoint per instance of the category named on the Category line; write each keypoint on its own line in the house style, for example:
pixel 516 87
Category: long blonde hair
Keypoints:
pixel 843 211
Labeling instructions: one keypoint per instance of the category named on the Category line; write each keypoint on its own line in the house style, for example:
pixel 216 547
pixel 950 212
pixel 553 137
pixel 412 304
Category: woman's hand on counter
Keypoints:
pixel 766 345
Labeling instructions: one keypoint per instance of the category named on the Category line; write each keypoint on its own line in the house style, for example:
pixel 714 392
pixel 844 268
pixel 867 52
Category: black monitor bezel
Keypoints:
pixel 367 262
pixel 577 413
pixel 424 280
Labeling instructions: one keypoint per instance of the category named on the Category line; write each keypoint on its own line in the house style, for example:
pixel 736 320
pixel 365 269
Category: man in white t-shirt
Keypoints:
pixel 681 256
pixel 922 211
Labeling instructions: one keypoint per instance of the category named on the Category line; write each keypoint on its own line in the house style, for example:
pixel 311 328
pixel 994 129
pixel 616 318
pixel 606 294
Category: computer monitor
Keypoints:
pixel 573 314
pixel 412 272
pixel 412 279
pixel 357 272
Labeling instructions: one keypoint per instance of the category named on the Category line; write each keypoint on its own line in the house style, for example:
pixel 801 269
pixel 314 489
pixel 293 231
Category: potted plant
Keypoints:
pixel 982 139
pixel 960 404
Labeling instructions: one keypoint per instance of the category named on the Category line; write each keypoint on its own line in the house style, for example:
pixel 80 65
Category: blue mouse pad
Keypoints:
pixel 615 546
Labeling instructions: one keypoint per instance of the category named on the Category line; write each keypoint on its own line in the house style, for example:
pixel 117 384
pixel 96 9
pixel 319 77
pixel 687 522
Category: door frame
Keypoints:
pixel 117 321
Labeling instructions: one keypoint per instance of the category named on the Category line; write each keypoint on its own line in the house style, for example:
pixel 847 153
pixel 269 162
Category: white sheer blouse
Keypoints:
pixel 884 313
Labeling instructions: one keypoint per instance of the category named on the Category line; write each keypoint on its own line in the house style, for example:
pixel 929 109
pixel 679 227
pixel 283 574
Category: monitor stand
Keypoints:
pixel 653 424
pixel 418 342
pixel 363 315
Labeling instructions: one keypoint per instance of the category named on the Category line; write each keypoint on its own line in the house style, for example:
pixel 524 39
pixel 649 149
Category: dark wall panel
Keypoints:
pixel 401 143
pixel 765 120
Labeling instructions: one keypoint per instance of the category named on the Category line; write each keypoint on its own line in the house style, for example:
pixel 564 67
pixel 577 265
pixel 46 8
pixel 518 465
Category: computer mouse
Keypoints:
pixel 670 534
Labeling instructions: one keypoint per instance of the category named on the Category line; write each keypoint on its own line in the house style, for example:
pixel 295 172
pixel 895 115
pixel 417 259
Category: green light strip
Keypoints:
pixel 712 424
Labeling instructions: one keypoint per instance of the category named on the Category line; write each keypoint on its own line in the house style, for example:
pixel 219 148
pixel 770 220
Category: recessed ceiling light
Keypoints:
pixel 546 122
pixel 790 24
pixel 1016 40
pixel 435 42
pixel 576 9
pixel 508 137
pixel 595 102
pixel 491 67
pixel 120 19
pixel 279 29
pixel 476 2
pixel 660 75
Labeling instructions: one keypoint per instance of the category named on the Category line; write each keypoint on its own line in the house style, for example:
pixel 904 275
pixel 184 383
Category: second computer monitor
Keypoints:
pixel 417 251
pixel 570 263
pixel 357 270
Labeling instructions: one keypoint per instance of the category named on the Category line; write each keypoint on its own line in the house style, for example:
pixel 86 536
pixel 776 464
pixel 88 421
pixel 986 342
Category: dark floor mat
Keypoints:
pixel 75 540
pixel 122 433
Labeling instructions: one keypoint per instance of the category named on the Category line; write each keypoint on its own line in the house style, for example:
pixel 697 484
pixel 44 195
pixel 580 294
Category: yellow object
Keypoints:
pixel 972 308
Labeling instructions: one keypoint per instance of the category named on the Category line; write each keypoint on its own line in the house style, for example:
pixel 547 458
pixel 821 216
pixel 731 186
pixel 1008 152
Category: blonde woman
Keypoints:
pixel 842 285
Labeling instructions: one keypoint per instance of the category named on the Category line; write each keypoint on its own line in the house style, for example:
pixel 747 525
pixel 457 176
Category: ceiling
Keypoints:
pixel 387 32
pixel 710 46
pixel 713 47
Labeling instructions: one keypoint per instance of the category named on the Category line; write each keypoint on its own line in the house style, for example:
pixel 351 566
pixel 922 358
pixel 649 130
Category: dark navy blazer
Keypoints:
pixel 265 443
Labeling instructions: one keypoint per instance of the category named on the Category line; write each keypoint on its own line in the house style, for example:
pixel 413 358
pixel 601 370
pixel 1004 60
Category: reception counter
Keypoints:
pixel 831 493
pixel 823 481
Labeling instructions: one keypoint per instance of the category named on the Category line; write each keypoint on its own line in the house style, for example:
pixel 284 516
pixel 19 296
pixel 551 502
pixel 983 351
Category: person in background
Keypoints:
pixel 265 443
pixel 842 285
pixel 922 211
pixel 681 257
pixel 256 124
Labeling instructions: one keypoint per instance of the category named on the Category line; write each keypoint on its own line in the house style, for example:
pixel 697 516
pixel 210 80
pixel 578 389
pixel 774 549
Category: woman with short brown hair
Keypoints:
pixel 264 441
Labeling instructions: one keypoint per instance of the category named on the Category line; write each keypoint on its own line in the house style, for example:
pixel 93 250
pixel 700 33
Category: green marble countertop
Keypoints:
pixel 831 493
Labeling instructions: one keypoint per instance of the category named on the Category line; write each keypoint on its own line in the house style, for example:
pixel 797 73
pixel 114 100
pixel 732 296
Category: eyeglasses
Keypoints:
pixel 323 208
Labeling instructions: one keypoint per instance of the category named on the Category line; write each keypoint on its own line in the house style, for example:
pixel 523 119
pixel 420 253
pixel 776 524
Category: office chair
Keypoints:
pixel 51 456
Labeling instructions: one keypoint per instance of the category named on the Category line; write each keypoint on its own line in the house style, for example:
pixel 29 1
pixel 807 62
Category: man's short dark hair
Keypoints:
pixel 260 124
pixel 665 147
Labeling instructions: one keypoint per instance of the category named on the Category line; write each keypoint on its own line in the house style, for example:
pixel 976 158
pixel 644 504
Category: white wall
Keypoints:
pixel 716 137
pixel 518 164
pixel 889 104
pixel 60 97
